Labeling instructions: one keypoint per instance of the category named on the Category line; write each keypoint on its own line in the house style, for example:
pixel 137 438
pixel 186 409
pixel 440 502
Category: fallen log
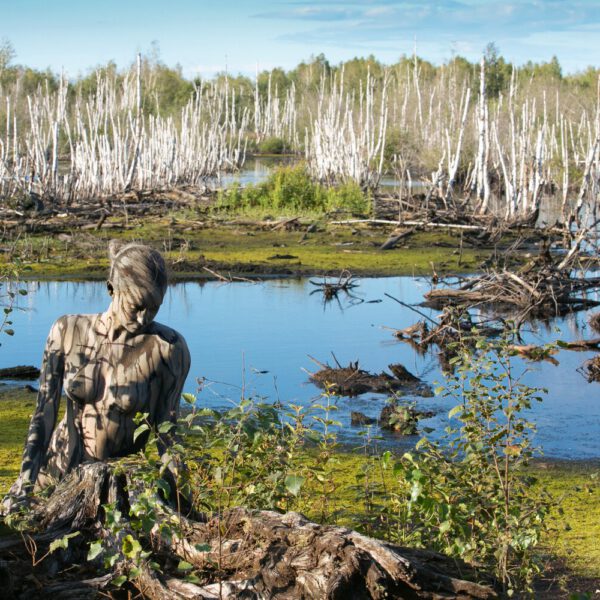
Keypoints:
pixel 239 554
pixel 352 381
pixel 394 240
pixel 410 224
pixel 534 353
pixel 593 344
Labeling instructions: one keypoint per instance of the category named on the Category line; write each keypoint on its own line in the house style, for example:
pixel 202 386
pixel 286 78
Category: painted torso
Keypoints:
pixel 106 384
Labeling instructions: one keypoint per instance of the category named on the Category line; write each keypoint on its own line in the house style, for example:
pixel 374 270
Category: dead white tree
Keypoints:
pixel 344 144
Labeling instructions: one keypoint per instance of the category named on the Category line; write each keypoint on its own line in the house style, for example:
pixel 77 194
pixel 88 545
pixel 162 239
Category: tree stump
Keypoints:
pixel 239 554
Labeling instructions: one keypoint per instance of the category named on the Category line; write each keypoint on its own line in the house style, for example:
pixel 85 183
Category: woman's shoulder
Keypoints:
pixel 75 321
pixel 167 335
pixel 174 348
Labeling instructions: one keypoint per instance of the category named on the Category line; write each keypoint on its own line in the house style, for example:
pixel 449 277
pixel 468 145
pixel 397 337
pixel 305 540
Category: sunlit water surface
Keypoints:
pixel 259 337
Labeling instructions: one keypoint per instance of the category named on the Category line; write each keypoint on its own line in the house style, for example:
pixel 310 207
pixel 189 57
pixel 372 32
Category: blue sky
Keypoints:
pixel 204 37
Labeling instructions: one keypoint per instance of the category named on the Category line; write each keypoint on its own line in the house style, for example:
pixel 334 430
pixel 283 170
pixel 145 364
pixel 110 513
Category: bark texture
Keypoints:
pixel 240 554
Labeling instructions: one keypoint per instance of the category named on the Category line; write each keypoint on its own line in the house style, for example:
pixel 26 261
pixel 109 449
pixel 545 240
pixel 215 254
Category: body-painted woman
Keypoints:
pixel 110 366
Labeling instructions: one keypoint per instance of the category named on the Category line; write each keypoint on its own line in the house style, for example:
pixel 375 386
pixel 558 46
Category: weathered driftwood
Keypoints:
pixel 410 224
pixel 545 291
pixel 353 381
pixel 594 322
pixel 534 353
pixel 591 369
pixel 240 554
pixel 330 289
pixel 396 237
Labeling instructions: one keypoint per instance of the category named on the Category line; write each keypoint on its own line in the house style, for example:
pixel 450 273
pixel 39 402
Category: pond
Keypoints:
pixel 259 336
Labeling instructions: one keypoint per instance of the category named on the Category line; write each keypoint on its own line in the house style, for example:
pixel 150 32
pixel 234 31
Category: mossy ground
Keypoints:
pixel 241 246
pixel 574 534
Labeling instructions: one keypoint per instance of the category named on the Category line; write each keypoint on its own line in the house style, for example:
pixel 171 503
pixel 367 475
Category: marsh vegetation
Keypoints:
pixel 485 139
pixel 507 162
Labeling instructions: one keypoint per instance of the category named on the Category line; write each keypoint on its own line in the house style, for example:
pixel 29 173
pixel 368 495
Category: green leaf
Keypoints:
pixel 445 526
pixel 130 547
pixel 293 484
pixel 458 408
pixel 184 566
pixel 63 542
pixel 219 475
pixel 163 485
pixel 165 427
pixel 386 458
pixel 512 450
pixel 95 550
pixel 134 572
pixel 415 492
pixel 119 581
pixel 189 398
pixel 202 547
pixel 141 429
pixel 111 559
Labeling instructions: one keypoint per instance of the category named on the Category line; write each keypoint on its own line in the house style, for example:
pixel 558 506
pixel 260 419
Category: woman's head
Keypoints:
pixel 137 282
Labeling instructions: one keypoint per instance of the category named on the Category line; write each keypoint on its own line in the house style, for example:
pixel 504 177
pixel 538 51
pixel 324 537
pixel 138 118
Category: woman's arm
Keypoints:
pixel 178 365
pixel 44 418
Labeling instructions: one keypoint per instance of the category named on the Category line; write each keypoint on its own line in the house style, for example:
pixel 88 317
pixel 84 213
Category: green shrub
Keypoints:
pixel 272 145
pixel 291 189
pixel 348 197
pixel 468 495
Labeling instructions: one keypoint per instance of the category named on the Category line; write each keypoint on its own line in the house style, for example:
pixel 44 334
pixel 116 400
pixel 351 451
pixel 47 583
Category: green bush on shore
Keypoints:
pixel 272 145
pixel 291 189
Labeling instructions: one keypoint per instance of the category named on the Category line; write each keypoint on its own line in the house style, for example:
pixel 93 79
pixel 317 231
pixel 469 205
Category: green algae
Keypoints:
pixel 16 407
pixel 243 247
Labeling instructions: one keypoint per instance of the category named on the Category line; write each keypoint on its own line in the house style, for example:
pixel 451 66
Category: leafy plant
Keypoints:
pixel 291 189
pixel 272 145
pixel 9 291
pixel 468 495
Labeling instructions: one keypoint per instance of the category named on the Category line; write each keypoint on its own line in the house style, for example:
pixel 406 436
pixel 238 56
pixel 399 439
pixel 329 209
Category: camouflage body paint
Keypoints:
pixel 110 367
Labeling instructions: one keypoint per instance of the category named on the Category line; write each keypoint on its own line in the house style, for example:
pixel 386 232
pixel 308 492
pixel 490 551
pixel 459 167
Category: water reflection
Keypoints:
pixel 258 337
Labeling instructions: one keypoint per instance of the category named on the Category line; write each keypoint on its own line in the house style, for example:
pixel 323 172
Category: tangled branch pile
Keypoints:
pixel 544 292
pixel 353 381
pixel 241 554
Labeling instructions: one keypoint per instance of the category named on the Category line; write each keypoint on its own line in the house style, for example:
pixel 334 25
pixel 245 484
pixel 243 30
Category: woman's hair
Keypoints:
pixel 137 270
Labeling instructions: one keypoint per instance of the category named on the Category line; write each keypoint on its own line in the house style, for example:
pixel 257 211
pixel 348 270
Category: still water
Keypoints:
pixel 259 337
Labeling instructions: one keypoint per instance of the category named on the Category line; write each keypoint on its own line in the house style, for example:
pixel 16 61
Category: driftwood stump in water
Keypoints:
pixel 353 381
pixel 241 554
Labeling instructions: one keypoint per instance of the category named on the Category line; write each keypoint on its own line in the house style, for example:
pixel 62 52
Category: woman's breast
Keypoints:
pixel 121 387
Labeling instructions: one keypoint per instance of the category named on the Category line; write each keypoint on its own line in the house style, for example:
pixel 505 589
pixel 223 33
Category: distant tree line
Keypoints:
pixel 167 90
